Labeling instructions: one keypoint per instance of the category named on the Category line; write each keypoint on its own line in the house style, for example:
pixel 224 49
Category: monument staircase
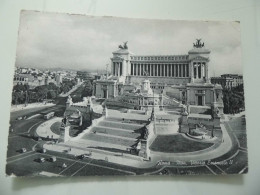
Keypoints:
pixel 112 135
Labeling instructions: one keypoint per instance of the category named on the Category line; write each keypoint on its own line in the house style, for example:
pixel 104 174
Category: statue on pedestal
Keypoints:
pixel 124 46
pixel 198 44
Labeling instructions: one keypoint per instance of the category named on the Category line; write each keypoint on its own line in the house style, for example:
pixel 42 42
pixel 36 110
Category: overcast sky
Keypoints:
pixel 48 40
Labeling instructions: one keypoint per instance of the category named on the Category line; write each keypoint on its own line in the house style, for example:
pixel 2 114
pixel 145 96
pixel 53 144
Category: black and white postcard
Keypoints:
pixel 102 96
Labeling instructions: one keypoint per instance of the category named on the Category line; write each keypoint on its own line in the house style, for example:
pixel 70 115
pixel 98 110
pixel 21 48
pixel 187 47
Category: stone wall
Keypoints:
pixel 161 81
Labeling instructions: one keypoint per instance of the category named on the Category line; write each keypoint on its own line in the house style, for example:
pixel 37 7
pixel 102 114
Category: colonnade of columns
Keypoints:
pixel 160 70
pixel 117 68
pixel 200 70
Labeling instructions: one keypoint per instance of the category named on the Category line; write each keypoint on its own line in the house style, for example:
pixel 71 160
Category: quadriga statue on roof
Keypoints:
pixel 198 44
pixel 124 46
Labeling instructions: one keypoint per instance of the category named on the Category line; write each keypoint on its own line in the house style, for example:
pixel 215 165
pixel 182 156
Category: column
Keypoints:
pixel 162 70
pixel 153 69
pixel 197 71
pixel 150 72
pixel 167 70
pixel 118 68
pixel 194 70
pixel 207 72
pixel 107 92
pixel 140 70
pixel 177 70
pixel 157 70
pixel 181 70
pixel 114 68
pixel 185 70
pixel 121 68
pixel 170 70
pixel 191 72
pixel 173 70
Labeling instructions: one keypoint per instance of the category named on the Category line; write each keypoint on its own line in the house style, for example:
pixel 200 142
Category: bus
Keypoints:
pixel 48 116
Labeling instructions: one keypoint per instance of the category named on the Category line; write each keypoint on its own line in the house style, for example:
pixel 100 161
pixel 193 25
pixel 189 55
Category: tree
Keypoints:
pixel 87 91
pixel 51 94
pixel 18 97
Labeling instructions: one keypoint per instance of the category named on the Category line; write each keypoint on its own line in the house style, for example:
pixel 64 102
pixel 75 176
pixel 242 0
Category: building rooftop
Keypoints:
pixel 203 116
pixel 122 51
pixel 202 50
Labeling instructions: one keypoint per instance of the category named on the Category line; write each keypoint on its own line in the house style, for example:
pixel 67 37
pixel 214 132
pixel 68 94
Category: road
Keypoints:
pixel 22 164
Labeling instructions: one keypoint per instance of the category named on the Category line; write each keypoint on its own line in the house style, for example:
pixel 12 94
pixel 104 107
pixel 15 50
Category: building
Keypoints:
pixel 84 75
pixel 32 81
pixel 58 79
pixel 180 77
pixel 78 112
pixel 227 81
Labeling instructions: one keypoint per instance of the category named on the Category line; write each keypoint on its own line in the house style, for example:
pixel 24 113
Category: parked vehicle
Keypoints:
pixel 19 118
pixel 53 159
pixel 41 159
pixel 48 116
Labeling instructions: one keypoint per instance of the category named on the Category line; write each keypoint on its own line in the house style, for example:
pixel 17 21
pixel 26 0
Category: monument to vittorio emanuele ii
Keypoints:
pixel 182 77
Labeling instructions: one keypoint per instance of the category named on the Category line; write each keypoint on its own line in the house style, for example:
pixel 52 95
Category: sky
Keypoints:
pixel 52 40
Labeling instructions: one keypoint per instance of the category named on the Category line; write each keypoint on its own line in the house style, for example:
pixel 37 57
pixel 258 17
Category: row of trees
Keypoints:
pixel 233 100
pixel 83 91
pixel 22 94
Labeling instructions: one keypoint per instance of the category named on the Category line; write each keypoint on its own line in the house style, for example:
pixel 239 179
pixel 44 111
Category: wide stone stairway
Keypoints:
pixel 112 134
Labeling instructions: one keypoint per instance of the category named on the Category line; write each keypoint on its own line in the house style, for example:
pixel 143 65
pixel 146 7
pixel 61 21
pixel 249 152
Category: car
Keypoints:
pixel 41 159
pixel 23 150
pixel 82 156
pixel 53 159
pixel 19 118
pixel 43 150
